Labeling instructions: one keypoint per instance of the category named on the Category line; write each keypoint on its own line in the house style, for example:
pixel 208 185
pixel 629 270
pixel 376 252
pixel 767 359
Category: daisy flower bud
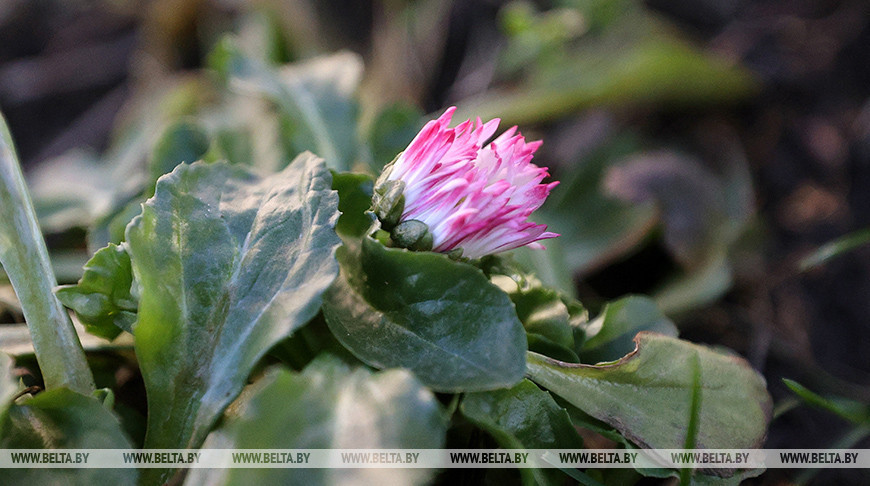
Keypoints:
pixel 449 192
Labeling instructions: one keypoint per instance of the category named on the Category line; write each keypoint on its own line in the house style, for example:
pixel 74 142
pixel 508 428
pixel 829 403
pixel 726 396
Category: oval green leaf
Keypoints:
pixel 648 394
pixel 439 318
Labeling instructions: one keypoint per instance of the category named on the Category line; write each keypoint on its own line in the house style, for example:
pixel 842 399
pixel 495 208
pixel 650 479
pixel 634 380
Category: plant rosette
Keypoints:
pixel 386 310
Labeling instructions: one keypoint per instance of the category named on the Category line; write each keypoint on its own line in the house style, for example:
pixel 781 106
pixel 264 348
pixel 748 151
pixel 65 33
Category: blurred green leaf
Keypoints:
pixel 595 227
pixel 549 264
pixel 234 144
pixel 523 417
pixel 250 131
pixel 834 249
pixel 261 35
pixel 422 311
pixel 695 288
pixel 83 190
pixel 638 63
pixel 534 36
pixel 15 341
pixel 599 230
pixel 647 395
pixel 315 97
pixel 71 191
pixel 182 141
pixel 63 419
pixel 703 215
pixel 604 14
pixel 110 228
pixel 851 410
pixel 8 300
pixel 610 336
pixel 689 198
pixel 102 299
pixel 67 265
pixel 229 263
pixel 392 131
pixel 329 406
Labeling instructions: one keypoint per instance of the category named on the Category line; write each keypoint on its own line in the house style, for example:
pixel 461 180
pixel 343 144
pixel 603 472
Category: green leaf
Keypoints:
pixel 111 227
pixel 554 322
pixel 235 145
pixel 611 335
pixel 183 141
pixel 581 419
pixel 523 417
pixel 355 198
pixel 647 395
pixel 549 264
pixel 63 419
pixel 80 189
pixel 71 191
pixel 24 259
pixel 541 345
pixel 228 264
pixel 15 341
pixel 439 318
pixel 391 132
pixel 595 227
pixel 598 230
pixel 102 299
pixel 633 65
pixel 262 34
pixel 834 249
pixel 542 312
pixel 851 410
pixel 329 406
pixel 697 287
pixel 314 96
pixel 547 322
pixel 692 201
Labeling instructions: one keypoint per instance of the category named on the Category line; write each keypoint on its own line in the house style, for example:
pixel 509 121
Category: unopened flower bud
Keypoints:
pixel 449 192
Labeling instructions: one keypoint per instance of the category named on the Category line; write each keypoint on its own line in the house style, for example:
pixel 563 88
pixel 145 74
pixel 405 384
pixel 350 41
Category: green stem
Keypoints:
pixel 694 417
pixel 24 257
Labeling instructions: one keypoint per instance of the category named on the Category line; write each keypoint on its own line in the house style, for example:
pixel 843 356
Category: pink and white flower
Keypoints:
pixel 471 196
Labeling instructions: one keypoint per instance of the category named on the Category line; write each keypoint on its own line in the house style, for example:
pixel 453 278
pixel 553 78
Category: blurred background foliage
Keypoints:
pixel 704 149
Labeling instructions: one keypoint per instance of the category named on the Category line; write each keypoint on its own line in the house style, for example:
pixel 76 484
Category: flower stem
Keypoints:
pixel 24 257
